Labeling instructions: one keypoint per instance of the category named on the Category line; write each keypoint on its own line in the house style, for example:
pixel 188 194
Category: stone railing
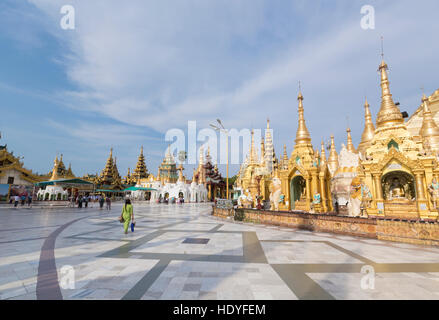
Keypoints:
pixel 384 229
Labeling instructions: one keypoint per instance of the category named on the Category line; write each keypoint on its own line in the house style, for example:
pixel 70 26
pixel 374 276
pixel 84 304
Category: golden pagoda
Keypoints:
pixel 333 157
pixel 106 177
pixel 254 177
pixel 129 179
pixel 141 172
pixel 59 170
pixel 305 181
pixel 369 130
pixel 429 131
pixel 416 120
pixel 167 172
pixel 395 168
pixel 110 177
pixel 117 181
pixel 350 145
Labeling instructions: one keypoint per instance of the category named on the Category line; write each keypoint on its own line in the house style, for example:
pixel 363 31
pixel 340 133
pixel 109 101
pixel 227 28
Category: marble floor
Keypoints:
pixel 182 252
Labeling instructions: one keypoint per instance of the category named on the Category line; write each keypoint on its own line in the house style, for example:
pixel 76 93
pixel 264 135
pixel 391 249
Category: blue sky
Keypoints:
pixel 129 72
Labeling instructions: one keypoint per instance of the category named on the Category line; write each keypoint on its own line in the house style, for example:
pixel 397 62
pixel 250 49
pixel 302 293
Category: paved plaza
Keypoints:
pixel 182 252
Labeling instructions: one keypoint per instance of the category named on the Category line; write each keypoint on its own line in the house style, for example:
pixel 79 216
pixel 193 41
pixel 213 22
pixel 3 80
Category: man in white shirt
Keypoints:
pixel 16 200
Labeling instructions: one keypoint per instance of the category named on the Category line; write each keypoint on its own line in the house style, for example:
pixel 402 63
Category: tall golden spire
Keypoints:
pixel 107 173
pixel 285 158
pixel 389 113
pixel 350 145
pixel 269 149
pixel 253 157
pixel 323 155
pixel 302 135
pixel 55 169
pixel 262 151
pixel 369 129
pixel 140 172
pixel 333 157
pixel 429 130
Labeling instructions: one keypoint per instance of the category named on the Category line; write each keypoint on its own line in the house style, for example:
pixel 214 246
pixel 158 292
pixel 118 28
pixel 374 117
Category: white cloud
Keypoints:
pixel 160 64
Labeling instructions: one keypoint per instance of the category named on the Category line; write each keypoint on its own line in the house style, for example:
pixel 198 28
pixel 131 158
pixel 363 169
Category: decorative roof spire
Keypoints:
pixel 389 113
pixel 69 173
pixel 302 135
pixel 180 173
pixel 369 130
pixel 269 149
pixel 323 155
pixel 429 130
pixel 333 157
pixel 285 158
pixel 55 170
pixel 350 145
pixel 253 156
pixel 141 171
pixel 262 151
pixel 107 172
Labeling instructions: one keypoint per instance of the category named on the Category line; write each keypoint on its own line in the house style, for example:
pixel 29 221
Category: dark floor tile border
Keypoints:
pixel 142 286
pixel 300 283
pixel 47 278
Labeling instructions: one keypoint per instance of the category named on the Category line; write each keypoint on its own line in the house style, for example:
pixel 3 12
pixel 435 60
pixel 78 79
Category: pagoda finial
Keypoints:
pixel 323 154
pixel 333 157
pixel 253 148
pixel 389 113
pixel 369 129
pixel 350 145
pixel 302 135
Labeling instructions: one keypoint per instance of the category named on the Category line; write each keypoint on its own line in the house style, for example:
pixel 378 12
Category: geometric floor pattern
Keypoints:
pixel 182 252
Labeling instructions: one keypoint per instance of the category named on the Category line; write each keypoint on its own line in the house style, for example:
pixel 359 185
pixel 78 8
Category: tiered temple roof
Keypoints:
pixel 141 172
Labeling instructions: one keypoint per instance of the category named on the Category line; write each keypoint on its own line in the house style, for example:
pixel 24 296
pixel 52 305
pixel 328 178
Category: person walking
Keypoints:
pixel 127 215
pixel 101 202
pixel 86 201
pixel 29 201
pixel 108 201
pixel 80 202
pixel 16 200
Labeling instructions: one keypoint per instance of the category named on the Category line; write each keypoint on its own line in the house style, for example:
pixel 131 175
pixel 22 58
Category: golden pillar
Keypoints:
pixel 379 198
pixel 308 193
pixel 323 192
pixel 421 196
pixel 378 187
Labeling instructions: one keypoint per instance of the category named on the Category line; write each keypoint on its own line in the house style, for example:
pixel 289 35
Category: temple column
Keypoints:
pixel 379 201
pixel 315 188
pixel 420 186
pixel 378 187
pixel 422 202
pixel 323 193
pixel 308 193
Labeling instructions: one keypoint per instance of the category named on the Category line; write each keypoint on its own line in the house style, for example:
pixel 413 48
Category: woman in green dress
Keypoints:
pixel 127 214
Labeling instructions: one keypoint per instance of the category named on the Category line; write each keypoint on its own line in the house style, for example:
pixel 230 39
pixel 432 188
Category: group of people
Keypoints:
pixel 23 199
pixel 81 201
pixel 179 200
